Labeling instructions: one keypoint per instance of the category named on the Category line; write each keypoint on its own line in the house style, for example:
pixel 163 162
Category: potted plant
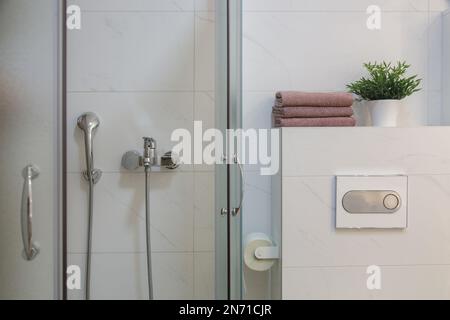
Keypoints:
pixel 384 89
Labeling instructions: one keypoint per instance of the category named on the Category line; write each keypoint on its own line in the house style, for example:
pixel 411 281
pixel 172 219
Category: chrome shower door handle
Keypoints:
pixel 31 249
pixel 237 210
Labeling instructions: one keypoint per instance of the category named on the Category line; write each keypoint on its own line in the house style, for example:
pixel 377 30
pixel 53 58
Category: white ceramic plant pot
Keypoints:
pixel 384 113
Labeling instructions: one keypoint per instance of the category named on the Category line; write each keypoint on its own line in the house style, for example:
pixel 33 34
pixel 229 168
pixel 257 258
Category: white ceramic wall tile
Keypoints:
pixel 362 114
pixel 110 52
pixel 125 119
pixel 414 110
pixel 439 5
pixel 205 5
pixel 256 209
pixel 205 46
pixel 330 5
pixel 403 282
pixel 119 213
pixel 282 53
pixel 204 276
pixel 204 111
pixel 435 56
pixel 257 110
pixel 204 211
pixel 368 151
pixel 204 108
pixel 134 5
pixel 311 239
pixel 257 114
pixel 123 276
pixel 446 68
pixel 435 116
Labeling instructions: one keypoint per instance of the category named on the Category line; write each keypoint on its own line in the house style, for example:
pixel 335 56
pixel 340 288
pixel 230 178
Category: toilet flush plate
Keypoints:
pixel 371 202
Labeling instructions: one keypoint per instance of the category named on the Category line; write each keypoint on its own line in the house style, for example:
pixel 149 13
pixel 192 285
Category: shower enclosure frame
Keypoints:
pixel 63 143
pixel 228 184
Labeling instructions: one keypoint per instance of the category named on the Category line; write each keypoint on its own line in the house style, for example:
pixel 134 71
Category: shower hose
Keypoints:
pixel 89 242
pixel 147 231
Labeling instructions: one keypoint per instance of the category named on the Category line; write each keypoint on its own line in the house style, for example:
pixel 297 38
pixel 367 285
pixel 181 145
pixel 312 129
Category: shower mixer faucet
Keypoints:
pixel 133 160
pixel 149 158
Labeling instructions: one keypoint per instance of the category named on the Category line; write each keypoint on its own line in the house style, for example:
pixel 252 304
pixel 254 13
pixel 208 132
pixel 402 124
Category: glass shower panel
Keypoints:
pixel 29 144
pixel 146 69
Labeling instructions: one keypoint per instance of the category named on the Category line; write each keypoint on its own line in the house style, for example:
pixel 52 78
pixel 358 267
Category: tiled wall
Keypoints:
pixel 321 262
pixel 320 46
pixel 145 67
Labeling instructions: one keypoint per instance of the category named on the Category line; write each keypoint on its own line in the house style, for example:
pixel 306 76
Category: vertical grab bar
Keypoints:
pixel 31 249
pixel 236 211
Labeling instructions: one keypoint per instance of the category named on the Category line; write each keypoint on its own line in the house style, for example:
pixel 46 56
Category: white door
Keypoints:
pixel 28 135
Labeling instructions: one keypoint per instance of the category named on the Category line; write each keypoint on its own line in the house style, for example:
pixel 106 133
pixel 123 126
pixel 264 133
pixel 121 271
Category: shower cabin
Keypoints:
pixel 98 200
pixel 82 82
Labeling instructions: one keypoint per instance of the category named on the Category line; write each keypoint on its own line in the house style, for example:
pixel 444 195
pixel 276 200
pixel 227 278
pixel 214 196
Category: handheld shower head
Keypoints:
pixel 89 122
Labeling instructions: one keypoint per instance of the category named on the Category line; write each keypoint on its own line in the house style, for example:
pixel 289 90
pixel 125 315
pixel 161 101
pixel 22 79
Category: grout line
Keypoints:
pixel 256 11
pixel 427 105
pixel 296 11
pixel 333 176
pixel 74 92
pixel 132 91
pixel 365 266
pixel 148 11
pixel 140 252
pixel 141 173
pixel 194 229
pixel 418 174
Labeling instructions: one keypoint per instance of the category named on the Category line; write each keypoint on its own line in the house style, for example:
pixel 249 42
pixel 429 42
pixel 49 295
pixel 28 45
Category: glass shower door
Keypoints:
pixel 141 83
pixel 29 224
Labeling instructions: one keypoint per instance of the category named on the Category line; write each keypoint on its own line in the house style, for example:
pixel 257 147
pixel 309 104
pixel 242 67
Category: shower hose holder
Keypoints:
pixel 96 175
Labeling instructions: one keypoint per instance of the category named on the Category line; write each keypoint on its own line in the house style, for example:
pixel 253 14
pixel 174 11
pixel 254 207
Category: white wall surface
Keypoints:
pixel 146 68
pixel 321 262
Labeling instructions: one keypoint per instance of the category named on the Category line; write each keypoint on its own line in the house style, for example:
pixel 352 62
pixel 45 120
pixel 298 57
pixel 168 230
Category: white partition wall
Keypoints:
pixel 320 261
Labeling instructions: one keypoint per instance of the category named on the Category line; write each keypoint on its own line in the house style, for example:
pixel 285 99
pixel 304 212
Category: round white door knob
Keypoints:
pixel 391 202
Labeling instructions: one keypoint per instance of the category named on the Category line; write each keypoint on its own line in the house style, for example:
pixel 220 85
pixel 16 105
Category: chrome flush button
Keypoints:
pixel 391 202
pixel 371 202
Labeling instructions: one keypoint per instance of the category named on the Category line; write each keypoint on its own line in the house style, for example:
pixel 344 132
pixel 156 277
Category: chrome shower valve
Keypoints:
pixel 149 157
pixel 133 160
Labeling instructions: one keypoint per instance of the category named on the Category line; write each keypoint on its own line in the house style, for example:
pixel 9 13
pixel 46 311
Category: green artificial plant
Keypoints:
pixel 385 82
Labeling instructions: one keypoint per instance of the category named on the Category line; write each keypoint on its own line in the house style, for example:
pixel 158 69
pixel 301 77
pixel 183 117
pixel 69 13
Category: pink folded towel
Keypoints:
pixel 315 122
pixel 313 99
pixel 312 112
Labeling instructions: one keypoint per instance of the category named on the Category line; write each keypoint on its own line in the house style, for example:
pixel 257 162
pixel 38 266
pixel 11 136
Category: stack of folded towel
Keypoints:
pixel 303 109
